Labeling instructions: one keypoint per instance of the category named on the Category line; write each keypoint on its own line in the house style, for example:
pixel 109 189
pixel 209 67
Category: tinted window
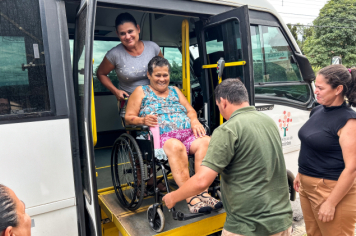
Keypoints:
pixel 23 80
pixel 273 65
pixel 272 56
pixel 174 56
pixel 222 41
pixel 100 48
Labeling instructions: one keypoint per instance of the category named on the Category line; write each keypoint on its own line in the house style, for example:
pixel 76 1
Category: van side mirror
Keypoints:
pixel 336 60
pixel 305 68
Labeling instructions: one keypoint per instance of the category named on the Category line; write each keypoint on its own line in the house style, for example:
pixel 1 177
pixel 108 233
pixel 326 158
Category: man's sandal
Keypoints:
pixel 210 201
pixel 199 207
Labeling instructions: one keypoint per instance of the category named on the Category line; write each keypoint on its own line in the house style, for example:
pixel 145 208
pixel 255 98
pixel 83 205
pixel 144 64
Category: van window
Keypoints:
pixel 23 79
pixel 272 56
pixel 174 56
pixel 100 48
pixel 224 41
pixel 273 66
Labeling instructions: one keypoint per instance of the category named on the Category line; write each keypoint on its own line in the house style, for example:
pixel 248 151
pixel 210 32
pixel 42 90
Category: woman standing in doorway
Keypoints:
pixel 327 159
pixel 129 59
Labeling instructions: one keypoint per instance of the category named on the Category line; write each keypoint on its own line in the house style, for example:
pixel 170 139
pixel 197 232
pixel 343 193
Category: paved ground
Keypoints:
pixel 298 222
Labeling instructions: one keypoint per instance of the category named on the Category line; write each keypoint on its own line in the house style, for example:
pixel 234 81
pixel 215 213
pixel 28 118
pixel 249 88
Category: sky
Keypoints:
pixel 298 11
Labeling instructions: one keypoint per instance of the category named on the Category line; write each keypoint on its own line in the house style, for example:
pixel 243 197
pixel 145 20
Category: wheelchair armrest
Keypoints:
pixel 137 128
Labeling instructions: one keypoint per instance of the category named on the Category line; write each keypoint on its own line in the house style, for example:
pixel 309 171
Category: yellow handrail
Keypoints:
pixel 185 60
pixel 93 116
pixel 227 64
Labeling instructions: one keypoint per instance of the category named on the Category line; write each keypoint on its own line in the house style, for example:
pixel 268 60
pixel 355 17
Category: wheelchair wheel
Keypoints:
pixel 156 222
pixel 127 172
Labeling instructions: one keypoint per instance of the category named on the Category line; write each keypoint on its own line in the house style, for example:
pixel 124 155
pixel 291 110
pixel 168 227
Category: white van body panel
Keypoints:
pixel 289 136
pixel 57 223
pixel 40 152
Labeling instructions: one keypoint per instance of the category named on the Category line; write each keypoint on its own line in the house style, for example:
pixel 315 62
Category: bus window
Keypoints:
pixel 23 80
pixel 274 68
pixel 174 56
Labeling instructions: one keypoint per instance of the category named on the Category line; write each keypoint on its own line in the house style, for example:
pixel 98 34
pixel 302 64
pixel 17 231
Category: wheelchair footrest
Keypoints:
pixel 178 215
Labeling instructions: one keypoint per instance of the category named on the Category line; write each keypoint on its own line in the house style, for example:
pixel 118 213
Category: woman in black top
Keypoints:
pixel 327 159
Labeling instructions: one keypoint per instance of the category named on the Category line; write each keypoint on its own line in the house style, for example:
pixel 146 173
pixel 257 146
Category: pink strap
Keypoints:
pixel 350 70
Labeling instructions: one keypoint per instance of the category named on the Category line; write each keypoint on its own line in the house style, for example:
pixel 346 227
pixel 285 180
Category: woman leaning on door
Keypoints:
pixel 327 159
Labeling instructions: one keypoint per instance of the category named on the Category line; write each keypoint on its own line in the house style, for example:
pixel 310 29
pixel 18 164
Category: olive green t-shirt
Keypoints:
pixel 247 151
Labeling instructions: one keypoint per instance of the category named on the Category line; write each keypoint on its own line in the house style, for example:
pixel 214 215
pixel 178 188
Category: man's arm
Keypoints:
pixel 195 185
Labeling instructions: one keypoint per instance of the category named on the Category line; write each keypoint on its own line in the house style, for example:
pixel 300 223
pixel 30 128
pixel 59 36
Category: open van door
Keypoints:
pixel 82 74
pixel 227 36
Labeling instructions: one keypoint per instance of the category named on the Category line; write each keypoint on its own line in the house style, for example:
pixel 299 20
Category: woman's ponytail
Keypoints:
pixel 351 93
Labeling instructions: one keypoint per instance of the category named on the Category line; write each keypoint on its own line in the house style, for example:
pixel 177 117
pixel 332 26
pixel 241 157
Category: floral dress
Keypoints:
pixel 171 114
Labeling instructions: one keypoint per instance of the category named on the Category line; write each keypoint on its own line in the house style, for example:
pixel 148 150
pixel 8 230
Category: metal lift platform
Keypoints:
pixel 135 223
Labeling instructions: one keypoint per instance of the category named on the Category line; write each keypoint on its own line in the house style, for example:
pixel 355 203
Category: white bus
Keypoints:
pixel 57 122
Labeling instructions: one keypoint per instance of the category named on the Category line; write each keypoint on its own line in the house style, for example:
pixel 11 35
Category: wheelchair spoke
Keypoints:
pixel 127 169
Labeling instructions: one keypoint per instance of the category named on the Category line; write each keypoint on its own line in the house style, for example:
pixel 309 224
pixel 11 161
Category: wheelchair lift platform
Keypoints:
pixel 135 223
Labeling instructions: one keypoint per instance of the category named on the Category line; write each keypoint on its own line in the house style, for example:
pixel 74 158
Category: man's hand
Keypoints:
pixel 169 201
pixel 326 212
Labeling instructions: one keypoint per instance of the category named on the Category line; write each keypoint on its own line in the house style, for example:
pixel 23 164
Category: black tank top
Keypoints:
pixel 320 152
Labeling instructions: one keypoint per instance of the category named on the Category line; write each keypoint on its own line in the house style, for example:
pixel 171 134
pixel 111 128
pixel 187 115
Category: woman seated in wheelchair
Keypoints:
pixel 181 133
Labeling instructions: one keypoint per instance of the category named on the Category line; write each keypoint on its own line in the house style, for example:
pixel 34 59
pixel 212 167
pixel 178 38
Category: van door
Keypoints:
pixel 82 75
pixel 226 35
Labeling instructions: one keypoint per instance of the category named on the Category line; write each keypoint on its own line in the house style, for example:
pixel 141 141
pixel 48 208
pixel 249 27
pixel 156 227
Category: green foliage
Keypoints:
pixel 316 69
pixel 327 42
pixel 304 32
pixel 176 72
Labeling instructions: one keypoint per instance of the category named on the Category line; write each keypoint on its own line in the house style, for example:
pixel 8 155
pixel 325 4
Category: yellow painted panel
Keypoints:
pixel 203 227
pixel 93 116
pixel 109 229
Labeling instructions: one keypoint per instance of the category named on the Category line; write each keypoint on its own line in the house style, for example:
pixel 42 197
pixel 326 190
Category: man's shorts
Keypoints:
pixel 186 136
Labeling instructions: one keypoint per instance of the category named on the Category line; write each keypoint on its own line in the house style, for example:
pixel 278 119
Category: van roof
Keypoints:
pixel 260 5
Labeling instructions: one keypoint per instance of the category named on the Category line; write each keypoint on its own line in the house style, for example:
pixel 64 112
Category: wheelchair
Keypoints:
pixel 131 162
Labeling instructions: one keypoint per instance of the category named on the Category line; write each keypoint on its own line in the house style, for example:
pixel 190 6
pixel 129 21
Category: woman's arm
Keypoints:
pixel 133 109
pixel 347 178
pixel 104 69
pixel 197 127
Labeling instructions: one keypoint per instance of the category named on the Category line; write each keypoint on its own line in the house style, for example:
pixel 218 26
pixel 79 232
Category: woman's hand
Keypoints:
pixel 120 95
pixel 326 212
pixel 150 120
pixel 198 128
pixel 296 183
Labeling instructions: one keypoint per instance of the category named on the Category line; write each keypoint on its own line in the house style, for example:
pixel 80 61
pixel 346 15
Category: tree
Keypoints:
pixel 176 72
pixel 300 33
pixel 327 42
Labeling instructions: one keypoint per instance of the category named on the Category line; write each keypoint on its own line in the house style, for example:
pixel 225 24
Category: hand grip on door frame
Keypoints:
pixel 221 64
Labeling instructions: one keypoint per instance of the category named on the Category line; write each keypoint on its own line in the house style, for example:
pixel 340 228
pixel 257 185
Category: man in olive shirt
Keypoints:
pixel 247 151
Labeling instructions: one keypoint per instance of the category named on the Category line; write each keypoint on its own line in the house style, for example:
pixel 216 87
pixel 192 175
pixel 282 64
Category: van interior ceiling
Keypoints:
pixel 166 28
pixel 161 28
